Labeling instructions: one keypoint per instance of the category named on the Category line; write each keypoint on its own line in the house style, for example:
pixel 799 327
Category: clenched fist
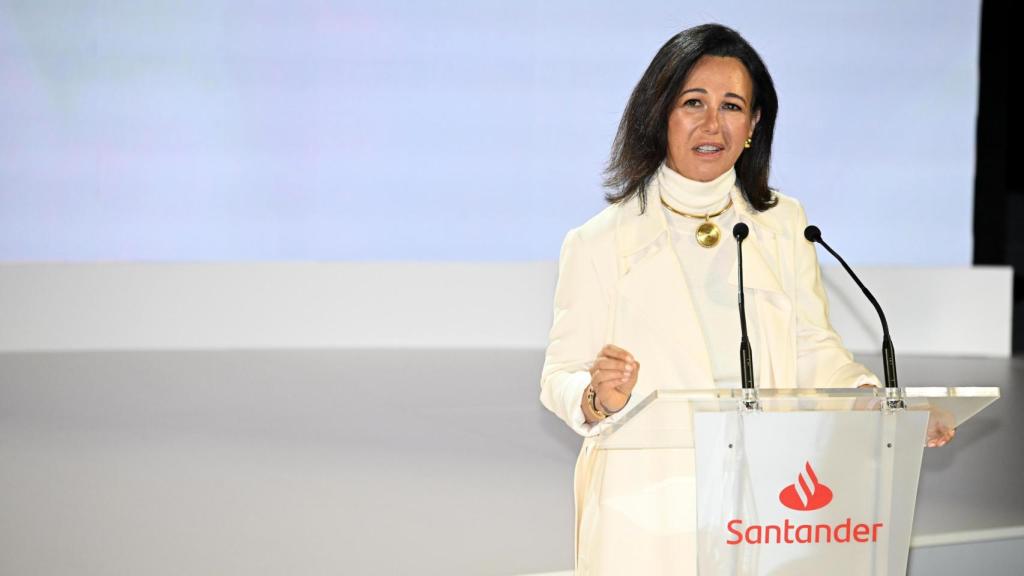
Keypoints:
pixel 613 376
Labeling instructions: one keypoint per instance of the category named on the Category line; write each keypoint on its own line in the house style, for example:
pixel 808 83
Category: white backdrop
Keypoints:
pixel 230 130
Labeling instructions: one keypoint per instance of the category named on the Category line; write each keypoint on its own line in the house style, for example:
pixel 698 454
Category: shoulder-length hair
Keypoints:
pixel 642 139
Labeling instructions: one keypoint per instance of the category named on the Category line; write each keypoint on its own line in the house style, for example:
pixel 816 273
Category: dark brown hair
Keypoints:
pixel 642 139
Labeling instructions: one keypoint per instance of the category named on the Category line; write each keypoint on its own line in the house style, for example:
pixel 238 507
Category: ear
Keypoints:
pixel 755 119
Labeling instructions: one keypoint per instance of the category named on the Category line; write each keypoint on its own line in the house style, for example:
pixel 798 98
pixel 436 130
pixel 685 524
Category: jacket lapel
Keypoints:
pixel 653 283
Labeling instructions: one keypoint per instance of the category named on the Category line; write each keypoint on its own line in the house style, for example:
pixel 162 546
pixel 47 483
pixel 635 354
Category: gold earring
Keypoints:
pixel 747 143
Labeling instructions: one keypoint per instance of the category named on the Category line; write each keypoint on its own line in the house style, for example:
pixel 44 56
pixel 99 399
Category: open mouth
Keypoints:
pixel 708 150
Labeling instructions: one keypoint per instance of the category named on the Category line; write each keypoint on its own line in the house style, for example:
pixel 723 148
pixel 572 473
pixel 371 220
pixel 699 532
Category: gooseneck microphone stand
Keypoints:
pixel 813 234
pixel 750 400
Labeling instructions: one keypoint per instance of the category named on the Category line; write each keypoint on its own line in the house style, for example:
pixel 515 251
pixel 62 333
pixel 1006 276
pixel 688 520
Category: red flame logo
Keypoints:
pixel 807 493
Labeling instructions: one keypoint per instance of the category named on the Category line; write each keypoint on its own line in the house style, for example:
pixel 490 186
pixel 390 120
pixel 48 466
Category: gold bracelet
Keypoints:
pixel 592 400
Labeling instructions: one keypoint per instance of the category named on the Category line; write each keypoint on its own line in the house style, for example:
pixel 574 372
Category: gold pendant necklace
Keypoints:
pixel 708 233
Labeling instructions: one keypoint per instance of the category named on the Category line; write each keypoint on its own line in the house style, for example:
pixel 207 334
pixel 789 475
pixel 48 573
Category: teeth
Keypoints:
pixel 708 148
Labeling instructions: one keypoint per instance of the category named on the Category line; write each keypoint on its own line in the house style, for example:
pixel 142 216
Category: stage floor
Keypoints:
pixel 361 462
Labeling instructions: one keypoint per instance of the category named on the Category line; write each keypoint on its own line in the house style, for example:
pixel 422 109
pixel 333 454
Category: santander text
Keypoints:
pixel 790 533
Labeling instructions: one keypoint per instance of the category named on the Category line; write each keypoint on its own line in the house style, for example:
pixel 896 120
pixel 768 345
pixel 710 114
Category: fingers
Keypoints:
pixel 602 377
pixel 613 393
pixel 627 386
pixel 612 357
pixel 613 375
pixel 620 367
pixel 615 372
pixel 940 437
pixel 613 351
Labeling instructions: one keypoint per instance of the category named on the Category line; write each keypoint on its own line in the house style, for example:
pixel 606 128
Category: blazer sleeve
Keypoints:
pixel 822 360
pixel 577 335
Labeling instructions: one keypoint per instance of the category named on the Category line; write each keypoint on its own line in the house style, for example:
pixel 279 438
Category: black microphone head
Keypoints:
pixel 740 231
pixel 812 233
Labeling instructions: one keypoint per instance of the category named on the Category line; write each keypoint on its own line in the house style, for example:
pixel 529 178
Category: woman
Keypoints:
pixel 651 280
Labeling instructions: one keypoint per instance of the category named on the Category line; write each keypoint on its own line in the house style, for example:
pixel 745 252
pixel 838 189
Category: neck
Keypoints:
pixel 693 195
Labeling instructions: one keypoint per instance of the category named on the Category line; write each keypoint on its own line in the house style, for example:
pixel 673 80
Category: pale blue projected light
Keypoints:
pixel 448 131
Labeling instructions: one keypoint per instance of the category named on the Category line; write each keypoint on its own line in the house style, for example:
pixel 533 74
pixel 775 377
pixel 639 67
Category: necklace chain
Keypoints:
pixel 708 233
pixel 697 216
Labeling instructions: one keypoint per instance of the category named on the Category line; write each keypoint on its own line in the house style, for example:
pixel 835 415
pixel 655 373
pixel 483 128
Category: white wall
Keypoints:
pixel 941 311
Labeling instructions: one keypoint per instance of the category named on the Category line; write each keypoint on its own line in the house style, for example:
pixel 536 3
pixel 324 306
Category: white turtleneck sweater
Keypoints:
pixel 707 269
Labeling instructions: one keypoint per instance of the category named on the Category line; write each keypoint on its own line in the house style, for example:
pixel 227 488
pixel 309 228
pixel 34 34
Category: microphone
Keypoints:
pixel 813 234
pixel 739 232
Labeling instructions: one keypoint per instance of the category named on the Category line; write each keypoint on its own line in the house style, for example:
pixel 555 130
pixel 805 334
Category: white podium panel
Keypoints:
pixel 806 492
pixel 768 482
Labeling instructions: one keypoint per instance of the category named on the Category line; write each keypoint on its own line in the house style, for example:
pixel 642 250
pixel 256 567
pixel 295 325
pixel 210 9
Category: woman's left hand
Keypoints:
pixel 938 433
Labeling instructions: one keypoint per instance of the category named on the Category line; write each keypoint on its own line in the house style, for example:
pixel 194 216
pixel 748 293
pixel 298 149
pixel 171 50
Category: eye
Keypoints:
pixel 692 102
pixel 731 106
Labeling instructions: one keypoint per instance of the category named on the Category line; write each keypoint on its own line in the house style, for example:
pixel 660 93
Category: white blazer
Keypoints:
pixel 620 282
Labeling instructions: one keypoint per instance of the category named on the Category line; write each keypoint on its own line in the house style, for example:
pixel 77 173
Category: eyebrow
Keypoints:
pixel 703 91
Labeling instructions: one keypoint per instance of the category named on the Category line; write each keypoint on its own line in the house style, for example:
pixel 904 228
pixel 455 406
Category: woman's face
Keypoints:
pixel 711 119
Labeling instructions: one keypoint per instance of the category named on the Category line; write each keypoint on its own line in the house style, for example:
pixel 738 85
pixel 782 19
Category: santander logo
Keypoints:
pixel 807 493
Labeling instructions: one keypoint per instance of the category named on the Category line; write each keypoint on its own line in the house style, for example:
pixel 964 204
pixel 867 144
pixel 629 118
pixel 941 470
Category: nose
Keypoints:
pixel 711 122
